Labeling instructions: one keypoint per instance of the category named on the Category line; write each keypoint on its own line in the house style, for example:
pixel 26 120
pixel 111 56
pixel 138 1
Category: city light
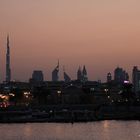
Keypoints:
pixel 11 94
pixel 106 90
pixel 26 93
pixel 59 92
pixel 126 82
pixel 108 97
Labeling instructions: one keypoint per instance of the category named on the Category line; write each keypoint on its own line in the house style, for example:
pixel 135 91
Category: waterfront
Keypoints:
pixel 103 130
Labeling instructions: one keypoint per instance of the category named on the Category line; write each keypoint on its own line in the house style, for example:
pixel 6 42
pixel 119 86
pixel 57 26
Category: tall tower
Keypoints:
pixel 136 80
pixel 120 75
pixel 79 74
pixel 84 72
pixel 55 73
pixel 109 77
pixel 67 78
pixel 8 69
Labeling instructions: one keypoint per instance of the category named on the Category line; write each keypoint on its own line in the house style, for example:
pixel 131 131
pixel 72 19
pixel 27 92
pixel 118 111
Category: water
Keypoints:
pixel 104 130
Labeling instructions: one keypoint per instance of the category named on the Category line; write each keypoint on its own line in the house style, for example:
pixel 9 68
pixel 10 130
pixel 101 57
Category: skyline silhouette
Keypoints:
pixel 82 75
pixel 100 35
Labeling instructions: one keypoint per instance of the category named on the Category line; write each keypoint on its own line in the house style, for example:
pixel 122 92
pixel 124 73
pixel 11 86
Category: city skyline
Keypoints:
pixel 57 68
pixel 100 35
pixel 120 75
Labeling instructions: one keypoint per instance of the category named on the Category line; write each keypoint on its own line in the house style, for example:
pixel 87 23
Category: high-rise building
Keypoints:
pixel 55 72
pixel 136 79
pixel 8 69
pixel 84 74
pixel 109 77
pixel 79 74
pixel 37 76
pixel 66 76
pixel 120 75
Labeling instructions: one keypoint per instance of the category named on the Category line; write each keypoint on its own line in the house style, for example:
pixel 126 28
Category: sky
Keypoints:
pixel 101 34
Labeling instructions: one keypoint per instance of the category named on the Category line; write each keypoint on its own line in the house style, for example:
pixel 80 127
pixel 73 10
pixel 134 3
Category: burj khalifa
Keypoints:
pixel 8 69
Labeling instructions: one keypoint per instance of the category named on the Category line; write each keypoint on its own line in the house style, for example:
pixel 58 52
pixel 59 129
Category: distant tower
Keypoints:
pixel 67 78
pixel 84 74
pixel 8 69
pixel 118 72
pixel 120 75
pixel 37 76
pixel 55 72
pixel 136 80
pixel 79 74
pixel 109 77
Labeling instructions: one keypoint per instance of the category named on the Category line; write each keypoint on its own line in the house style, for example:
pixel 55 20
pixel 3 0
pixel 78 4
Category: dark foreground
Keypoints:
pixel 73 113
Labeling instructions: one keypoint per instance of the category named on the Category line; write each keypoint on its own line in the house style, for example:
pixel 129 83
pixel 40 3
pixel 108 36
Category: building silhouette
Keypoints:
pixel 55 73
pixel 37 76
pixel 8 69
pixel 79 74
pixel 67 78
pixel 120 75
pixel 84 74
pixel 109 77
pixel 136 79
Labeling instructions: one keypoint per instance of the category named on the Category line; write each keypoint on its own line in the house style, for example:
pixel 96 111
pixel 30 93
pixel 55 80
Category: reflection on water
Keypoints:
pixel 105 130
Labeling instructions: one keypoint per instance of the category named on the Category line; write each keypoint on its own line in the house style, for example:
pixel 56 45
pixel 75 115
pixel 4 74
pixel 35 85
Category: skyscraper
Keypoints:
pixel 66 76
pixel 38 76
pixel 8 69
pixel 55 72
pixel 120 75
pixel 136 79
pixel 84 74
pixel 79 74
pixel 109 77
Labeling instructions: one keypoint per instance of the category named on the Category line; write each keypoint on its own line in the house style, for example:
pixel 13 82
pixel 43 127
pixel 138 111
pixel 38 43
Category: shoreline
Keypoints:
pixel 69 114
pixel 25 122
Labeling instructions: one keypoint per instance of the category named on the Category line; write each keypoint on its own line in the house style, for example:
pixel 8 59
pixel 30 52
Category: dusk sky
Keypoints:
pixel 101 34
